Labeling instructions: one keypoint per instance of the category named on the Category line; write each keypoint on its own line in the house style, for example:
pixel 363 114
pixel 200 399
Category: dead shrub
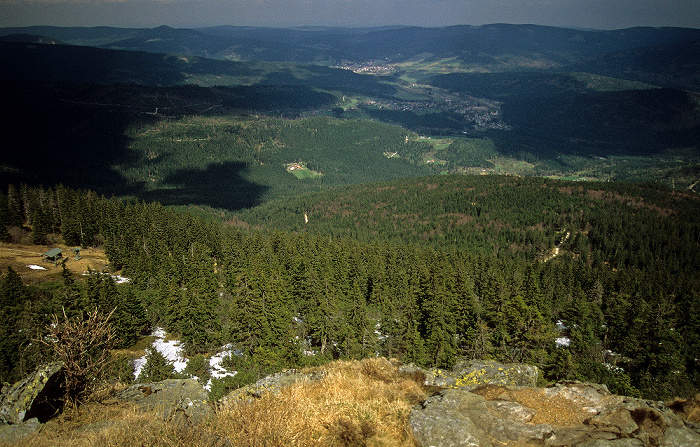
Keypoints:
pixel 83 344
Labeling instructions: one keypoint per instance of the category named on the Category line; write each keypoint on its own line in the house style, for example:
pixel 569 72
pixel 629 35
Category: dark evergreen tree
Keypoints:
pixel 156 368
pixel 130 319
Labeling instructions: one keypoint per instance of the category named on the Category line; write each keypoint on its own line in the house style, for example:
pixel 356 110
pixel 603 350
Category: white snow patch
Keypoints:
pixel 613 368
pixel 218 371
pixel 36 267
pixel 118 279
pixel 562 342
pixel 138 366
pixel 378 332
pixel 171 350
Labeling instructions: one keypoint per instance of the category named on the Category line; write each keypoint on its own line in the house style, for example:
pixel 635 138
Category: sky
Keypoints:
pixel 598 14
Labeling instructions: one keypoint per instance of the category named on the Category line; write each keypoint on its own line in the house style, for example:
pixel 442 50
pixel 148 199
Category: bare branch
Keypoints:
pixel 83 344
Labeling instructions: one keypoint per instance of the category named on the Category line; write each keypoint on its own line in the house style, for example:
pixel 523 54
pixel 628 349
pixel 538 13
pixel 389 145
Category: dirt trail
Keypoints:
pixel 556 250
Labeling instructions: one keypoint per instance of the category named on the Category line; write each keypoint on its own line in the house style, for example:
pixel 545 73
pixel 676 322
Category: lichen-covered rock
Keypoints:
pixel 444 420
pixel 40 395
pixel 568 414
pixel 473 373
pixel 181 401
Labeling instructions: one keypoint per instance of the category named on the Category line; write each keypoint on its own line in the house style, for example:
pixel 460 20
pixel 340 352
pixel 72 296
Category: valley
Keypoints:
pixel 302 196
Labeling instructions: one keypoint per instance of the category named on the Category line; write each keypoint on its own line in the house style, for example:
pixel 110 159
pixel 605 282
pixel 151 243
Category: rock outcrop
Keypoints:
pixel 40 396
pixel 567 414
pixel 271 384
pixel 181 401
pixel 473 373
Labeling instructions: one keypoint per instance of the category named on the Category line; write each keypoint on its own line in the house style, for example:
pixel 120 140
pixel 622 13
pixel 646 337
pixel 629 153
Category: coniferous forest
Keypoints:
pixel 297 196
pixel 594 281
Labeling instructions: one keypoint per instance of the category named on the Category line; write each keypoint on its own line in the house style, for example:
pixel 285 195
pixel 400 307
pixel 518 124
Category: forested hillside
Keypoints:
pixel 505 99
pixel 337 214
pixel 617 304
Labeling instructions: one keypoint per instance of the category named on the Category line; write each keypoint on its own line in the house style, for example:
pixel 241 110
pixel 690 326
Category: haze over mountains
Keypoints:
pixel 495 45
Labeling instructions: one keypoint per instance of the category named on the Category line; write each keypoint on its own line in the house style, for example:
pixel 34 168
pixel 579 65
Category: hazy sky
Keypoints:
pixel 602 14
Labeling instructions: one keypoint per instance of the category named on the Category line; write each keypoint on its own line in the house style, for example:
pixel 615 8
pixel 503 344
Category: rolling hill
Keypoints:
pixel 543 101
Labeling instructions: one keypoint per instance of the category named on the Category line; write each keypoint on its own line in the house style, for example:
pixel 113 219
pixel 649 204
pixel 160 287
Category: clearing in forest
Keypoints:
pixel 26 260
pixel 300 171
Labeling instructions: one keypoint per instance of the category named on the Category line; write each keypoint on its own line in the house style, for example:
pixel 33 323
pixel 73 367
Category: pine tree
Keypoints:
pixel 130 321
pixel 156 368
pixel 12 296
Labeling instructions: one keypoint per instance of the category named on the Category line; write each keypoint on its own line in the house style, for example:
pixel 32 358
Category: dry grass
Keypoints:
pixel 688 409
pixel 554 410
pixel 358 403
pixel 19 256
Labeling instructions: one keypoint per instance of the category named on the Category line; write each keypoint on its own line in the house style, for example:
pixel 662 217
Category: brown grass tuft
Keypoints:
pixel 358 403
pixel 688 409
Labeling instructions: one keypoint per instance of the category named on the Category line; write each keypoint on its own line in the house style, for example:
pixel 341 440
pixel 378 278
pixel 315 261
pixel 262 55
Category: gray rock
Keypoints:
pixel 677 437
pixel 443 422
pixel 474 373
pixel 620 442
pixel 12 434
pixel 182 401
pixel 40 395
pixel 593 418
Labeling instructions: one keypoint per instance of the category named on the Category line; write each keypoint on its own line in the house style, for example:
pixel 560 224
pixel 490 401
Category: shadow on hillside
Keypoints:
pixel 218 186
pixel 633 122
pixel 76 135
pixel 64 134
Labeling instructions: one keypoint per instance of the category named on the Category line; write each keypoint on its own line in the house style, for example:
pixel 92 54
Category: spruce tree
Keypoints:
pixel 156 368
pixel 130 321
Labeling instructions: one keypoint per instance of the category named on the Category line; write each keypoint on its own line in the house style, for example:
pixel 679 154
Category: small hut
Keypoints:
pixel 54 255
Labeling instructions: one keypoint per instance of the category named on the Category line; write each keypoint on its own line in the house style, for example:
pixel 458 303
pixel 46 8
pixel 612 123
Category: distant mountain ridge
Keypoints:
pixel 394 43
pixel 666 57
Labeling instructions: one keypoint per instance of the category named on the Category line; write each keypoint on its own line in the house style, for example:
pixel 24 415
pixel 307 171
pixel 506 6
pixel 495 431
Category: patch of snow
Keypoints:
pixel 36 267
pixel 138 366
pixel 171 350
pixel 120 279
pixel 562 342
pixel 378 332
pixel 218 371
pixel 612 367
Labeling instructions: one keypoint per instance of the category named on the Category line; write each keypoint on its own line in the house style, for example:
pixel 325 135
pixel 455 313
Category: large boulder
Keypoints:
pixel 567 414
pixel 473 373
pixel 40 396
pixel 182 401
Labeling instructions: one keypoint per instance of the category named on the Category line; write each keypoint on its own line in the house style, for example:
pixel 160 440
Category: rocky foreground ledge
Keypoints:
pixel 489 404
pixel 478 403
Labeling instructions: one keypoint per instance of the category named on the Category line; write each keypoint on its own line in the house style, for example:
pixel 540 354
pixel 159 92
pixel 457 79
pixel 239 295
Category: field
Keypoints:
pixel 300 171
pixel 21 256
